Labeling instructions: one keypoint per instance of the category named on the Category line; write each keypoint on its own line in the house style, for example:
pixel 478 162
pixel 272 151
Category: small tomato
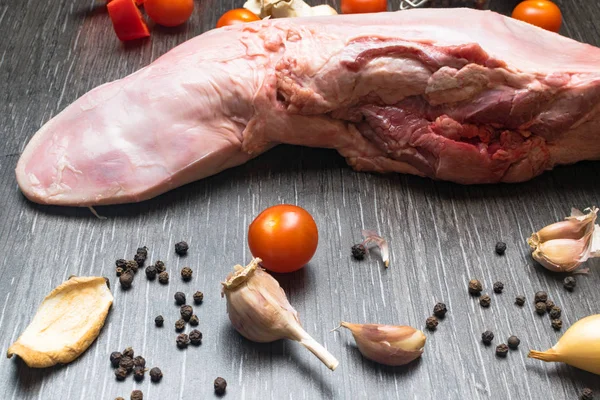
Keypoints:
pixel 237 16
pixel 169 12
pixel 542 13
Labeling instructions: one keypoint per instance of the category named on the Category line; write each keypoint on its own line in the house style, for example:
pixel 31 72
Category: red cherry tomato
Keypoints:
pixel 363 6
pixel 285 237
pixel 237 16
pixel 542 13
pixel 169 12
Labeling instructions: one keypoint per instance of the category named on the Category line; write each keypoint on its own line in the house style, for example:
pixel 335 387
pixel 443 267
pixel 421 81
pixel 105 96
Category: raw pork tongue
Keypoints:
pixel 460 95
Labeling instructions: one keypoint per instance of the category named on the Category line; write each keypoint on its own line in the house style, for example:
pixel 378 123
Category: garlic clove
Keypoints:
pixel 387 344
pixel 259 310
pixel 372 237
pixel 560 255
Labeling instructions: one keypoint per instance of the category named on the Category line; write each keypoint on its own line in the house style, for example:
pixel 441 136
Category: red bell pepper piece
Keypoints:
pixel 127 20
pixel 139 2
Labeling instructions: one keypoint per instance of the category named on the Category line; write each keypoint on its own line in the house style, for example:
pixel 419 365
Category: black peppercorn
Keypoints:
pixel 119 398
pixel 541 296
pixel 186 312
pixel 514 342
pixel 540 308
pixel 181 248
pixel 143 251
pixel 139 361
pixel 431 323
pixel 186 273
pixel 520 301
pixel 475 287
pixel 549 305
pixel 440 310
pixel 120 263
pixel 485 301
pixel 179 325
pixel 121 373
pixel 126 279
pixel 140 260
pixel 182 340
pixel 569 283
pixel 194 321
pixel 487 337
pixel 163 277
pixel 151 272
pixel 500 248
pixel 128 352
pixel 556 324
pixel 132 266
pixel 555 312
pixel 220 386
pixel 160 266
pixel 179 298
pixel 156 374
pixel 137 395
pixel 198 297
pixel 159 321
pixel 587 394
pixel 498 287
pixel 138 373
pixel 501 350
pixel 358 251
pixel 126 363
pixel 119 271
pixel 115 358
pixel 195 337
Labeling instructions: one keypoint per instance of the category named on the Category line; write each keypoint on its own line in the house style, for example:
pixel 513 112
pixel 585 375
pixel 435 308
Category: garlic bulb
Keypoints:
pixel 387 344
pixel 286 8
pixel 260 311
pixel 564 246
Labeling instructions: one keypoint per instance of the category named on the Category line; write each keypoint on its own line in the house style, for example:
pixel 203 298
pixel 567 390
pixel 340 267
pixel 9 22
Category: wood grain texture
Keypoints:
pixel 441 236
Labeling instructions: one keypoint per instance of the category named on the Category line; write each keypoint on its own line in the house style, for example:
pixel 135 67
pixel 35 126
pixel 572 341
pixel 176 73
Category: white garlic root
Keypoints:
pixel 259 310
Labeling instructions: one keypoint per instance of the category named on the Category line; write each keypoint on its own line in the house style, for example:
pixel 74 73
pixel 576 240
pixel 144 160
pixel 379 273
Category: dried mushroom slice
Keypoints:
pixel 66 323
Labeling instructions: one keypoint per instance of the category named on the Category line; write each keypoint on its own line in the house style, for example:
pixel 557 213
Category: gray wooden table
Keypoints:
pixel 441 236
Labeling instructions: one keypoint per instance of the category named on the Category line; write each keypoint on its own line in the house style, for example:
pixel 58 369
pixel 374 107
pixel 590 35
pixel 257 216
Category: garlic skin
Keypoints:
pixel 387 344
pixel 286 8
pixel 259 310
pixel 565 245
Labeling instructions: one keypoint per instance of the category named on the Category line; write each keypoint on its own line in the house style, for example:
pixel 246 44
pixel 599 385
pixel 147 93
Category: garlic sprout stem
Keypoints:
pixel 321 352
pixel 549 355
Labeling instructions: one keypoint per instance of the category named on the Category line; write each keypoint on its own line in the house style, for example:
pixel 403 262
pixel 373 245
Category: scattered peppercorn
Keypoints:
pixel 500 248
pixel 126 279
pixel 541 296
pixel 137 395
pixel 128 352
pixel 498 287
pixel 549 305
pixel 182 340
pixel 181 248
pixel 138 373
pixel 514 342
pixel 501 350
pixel 487 337
pixel 120 263
pixel 475 287
pixel 569 283
pixel 151 272
pixel 160 266
pixel 139 259
pixel 540 308
pixel 119 398
pixel 179 298
pixel 485 301
pixel 126 363
pixel 163 277
pixel 119 271
pixel 139 361
pixel 431 323
pixel 196 337
pixel 194 321
pixel 555 312
pixel 179 325
pixel 132 265
pixel 198 297
pixel 220 386
pixel 159 321
pixel 121 373
pixel 358 251
pixel 557 324
pixel 143 251
pixel 587 394
pixel 155 374
pixel 186 312
pixel 440 310
pixel 520 301
pixel 186 273
pixel 115 358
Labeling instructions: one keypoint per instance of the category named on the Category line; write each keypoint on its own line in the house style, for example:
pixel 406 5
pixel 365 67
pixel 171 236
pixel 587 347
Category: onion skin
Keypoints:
pixel 578 347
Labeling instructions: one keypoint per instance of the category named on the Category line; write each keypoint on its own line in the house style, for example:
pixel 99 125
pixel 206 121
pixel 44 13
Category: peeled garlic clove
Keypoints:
pixel 387 344
pixel 259 310
pixel 66 323
pixel 578 347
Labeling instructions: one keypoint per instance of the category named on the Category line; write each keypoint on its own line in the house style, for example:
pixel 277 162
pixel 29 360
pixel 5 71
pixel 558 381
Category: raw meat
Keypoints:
pixel 461 95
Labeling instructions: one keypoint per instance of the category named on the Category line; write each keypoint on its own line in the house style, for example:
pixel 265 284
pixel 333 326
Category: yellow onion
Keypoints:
pixel 578 347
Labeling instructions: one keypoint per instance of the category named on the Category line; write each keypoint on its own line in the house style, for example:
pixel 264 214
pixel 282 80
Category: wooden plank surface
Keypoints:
pixel 441 235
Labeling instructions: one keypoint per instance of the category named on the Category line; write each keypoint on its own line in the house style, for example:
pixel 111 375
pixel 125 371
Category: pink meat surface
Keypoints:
pixel 460 95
